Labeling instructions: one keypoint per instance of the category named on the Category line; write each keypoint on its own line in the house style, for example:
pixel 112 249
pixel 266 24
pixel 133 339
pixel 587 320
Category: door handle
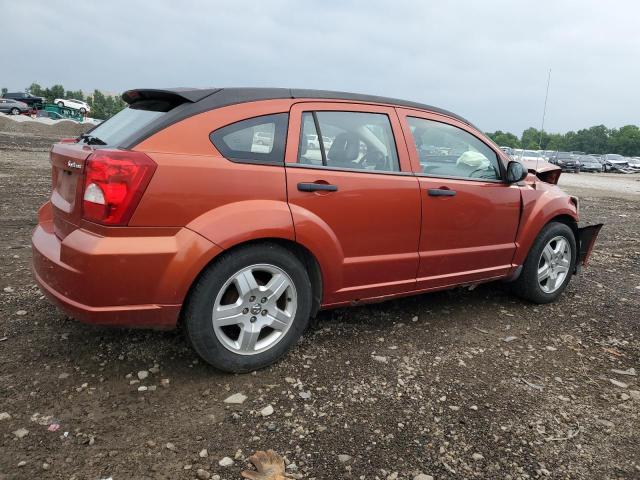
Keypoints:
pixel 441 192
pixel 317 187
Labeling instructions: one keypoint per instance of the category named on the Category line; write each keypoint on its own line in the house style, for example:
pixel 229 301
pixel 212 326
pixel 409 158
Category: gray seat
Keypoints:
pixel 344 150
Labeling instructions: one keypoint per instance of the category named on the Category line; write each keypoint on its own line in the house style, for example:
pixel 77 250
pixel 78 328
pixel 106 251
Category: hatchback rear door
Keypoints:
pixel 353 198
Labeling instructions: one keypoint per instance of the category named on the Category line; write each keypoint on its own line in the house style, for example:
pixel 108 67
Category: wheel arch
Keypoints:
pixel 568 220
pixel 307 258
pixel 529 236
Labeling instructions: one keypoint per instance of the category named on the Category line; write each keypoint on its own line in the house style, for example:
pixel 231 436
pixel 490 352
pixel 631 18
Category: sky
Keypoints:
pixel 485 60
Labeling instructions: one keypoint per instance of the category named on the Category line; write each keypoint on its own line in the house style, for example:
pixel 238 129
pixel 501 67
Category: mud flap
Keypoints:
pixel 586 239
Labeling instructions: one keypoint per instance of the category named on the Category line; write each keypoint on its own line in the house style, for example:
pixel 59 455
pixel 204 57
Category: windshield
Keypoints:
pixel 123 124
pixel 530 153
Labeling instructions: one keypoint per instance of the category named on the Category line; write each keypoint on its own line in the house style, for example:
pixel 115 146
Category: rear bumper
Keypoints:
pixel 161 317
pixel 136 281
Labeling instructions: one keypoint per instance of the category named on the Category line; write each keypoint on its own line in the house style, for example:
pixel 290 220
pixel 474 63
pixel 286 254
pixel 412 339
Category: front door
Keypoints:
pixel 354 200
pixel 470 215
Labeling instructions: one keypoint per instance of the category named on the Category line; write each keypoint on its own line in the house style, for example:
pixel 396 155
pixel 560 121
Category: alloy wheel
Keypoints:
pixel 254 309
pixel 554 263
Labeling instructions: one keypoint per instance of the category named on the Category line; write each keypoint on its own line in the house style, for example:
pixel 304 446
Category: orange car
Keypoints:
pixel 213 209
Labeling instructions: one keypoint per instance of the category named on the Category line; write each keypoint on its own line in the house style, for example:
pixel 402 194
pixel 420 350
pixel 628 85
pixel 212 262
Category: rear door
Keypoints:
pixel 470 215
pixel 354 198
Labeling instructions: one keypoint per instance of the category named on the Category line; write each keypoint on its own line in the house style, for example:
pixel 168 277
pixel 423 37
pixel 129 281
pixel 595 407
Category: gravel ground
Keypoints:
pixel 604 184
pixel 457 384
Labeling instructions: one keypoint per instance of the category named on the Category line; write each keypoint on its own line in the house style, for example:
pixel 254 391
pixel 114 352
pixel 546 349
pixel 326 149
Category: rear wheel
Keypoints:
pixel 248 308
pixel 15 111
pixel 83 110
pixel 61 104
pixel 548 268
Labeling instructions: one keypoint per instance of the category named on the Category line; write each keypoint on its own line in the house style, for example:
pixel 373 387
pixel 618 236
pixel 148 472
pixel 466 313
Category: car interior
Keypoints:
pixel 353 140
pixel 448 151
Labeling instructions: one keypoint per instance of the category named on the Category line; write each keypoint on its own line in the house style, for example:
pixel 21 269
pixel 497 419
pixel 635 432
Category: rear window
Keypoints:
pixel 128 121
pixel 255 140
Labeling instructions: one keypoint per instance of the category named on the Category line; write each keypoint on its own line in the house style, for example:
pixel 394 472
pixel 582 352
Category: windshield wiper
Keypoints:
pixel 91 140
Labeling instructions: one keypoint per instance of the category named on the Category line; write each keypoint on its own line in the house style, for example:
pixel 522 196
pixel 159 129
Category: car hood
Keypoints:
pixel 545 171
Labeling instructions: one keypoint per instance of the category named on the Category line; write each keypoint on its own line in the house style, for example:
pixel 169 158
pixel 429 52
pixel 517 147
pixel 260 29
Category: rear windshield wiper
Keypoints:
pixel 91 140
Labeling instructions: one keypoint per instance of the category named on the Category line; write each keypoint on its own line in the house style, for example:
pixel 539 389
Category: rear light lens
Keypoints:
pixel 114 183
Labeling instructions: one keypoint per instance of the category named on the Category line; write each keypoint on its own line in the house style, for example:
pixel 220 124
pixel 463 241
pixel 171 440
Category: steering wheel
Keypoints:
pixel 471 175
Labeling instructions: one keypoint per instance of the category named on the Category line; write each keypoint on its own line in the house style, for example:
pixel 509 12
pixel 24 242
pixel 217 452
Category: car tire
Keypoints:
pixel 15 111
pixel 531 285
pixel 83 111
pixel 224 304
pixel 61 104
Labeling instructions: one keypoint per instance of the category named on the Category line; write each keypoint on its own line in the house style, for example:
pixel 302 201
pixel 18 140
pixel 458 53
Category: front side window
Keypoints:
pixel 255 140
pixel 351 140
pixel 448 151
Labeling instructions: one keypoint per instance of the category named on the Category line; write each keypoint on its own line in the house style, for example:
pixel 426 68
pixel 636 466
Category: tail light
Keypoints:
pixel 113 186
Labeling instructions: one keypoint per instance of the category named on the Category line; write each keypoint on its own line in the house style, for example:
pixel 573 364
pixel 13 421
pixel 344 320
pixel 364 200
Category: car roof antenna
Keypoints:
pixel 544 113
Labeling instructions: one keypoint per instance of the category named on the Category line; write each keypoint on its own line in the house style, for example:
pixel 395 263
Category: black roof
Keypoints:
pixel 191 101
pixel 218 97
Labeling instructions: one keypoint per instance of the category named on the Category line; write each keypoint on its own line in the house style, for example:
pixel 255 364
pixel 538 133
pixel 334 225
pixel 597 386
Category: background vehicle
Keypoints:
pixel 614 162
pixel 48 114
pixel 13 107
pixel 566 161
pixel 634 163
pixel 312 141
pixel 263 138
pixel 507 150
pixel 179 216
pixel 27 98
pixel 531 155
pixel 589 164
pixel 83 107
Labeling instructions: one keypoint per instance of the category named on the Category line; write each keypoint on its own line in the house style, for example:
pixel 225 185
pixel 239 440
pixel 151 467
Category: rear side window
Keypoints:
pixel 255 140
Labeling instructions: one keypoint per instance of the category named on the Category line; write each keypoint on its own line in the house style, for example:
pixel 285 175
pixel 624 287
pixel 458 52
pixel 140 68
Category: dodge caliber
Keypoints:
pixel 238 214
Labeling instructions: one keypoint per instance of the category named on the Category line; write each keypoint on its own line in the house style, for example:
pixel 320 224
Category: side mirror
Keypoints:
pixel 516 172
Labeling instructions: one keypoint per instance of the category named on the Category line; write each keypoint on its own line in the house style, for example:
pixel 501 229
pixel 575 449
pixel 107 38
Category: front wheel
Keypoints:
pixel 15 111
pixel 548 268
pixel 248 308
pixel 61 104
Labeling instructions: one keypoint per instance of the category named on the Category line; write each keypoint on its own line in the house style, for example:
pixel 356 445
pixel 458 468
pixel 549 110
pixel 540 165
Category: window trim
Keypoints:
pixel 320 138
pixel 345 169
pixel 281 126
pixel 322 150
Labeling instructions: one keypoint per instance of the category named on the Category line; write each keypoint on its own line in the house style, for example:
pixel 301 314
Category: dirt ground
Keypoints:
pixel 457 384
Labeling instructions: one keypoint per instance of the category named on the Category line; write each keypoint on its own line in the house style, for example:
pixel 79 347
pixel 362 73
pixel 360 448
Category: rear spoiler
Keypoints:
pixel 173 95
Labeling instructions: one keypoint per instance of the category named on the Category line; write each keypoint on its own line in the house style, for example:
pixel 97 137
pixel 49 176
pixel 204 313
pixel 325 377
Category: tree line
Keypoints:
pixel 102 106
pixel 598 139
